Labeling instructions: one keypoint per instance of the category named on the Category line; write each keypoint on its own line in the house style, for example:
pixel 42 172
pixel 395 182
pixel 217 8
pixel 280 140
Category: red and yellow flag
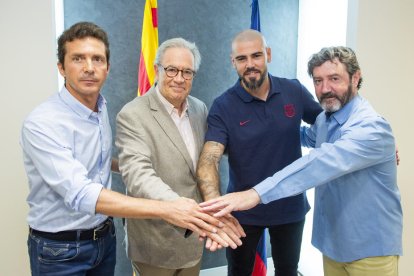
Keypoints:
pixel 149 45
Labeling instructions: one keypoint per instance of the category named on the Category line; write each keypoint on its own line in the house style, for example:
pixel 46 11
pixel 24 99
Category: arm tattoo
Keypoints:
pixel 208 177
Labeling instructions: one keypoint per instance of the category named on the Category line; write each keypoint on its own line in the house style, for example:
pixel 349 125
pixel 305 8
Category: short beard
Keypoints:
pixel 341 101
pixel 252 83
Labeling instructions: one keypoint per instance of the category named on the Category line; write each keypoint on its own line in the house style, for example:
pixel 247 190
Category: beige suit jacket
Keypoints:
pixel 155 164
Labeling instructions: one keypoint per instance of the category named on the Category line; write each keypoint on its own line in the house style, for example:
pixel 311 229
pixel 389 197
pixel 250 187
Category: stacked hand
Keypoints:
pixel 228 203
pixel 221 207
pixel 231 229
pixel 220 232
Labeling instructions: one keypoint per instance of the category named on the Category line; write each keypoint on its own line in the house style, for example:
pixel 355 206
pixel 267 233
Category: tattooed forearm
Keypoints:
pixel 207 170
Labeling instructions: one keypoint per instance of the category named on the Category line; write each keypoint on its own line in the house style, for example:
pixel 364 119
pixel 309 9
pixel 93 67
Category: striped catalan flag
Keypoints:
pixel 260 264
pixel 149 45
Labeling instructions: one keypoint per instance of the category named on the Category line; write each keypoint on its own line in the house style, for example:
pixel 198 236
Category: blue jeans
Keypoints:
pixel 286 240
pixel 75 258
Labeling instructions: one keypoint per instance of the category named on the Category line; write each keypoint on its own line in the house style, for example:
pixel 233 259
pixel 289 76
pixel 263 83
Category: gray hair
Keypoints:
pixel 344 55
pixel 178 43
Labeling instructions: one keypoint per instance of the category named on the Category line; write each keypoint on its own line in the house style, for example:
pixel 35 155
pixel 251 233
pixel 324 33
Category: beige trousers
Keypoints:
pixel 374 266
pixel 142 269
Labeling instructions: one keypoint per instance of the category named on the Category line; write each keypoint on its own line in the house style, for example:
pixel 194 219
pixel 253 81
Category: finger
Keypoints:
pixel 223 212
pixel 234 237
pixel 217 238
pixel 208 202
pixel 215 207
pixel 208 243
pixel 214 246
pixel 201 224
pixel 232 224
pixel 228 239
pixel 236 224
pixel 196 229
pixel 207 220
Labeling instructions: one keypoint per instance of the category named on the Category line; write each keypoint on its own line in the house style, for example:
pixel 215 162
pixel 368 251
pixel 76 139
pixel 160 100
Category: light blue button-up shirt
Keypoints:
pixel 67 156
pixel 353 167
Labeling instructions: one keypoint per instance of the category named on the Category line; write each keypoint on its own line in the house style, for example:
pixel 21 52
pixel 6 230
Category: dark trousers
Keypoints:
pixel 286 240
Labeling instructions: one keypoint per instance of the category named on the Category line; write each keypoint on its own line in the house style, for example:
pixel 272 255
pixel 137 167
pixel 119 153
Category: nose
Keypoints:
pixel 88 66
pixel 249 62
pixel 325 88
pixel 179 77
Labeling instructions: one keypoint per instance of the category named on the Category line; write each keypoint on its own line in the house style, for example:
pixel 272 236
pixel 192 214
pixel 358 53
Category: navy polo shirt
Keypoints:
pixel 261 138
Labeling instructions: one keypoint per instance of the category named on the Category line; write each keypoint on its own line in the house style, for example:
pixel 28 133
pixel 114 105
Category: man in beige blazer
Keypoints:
pixel 159 138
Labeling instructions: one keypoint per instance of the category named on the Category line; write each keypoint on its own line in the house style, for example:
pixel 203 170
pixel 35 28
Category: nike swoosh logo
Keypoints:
pixel 244 122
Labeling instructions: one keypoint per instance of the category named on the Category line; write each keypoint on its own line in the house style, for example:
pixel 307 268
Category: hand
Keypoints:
pixel 228 203
pixel 230 232
pixel 186 213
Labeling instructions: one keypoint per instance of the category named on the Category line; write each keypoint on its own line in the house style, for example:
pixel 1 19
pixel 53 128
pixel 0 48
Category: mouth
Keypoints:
pixel 178 89
pixel 251 73
pixel 89 81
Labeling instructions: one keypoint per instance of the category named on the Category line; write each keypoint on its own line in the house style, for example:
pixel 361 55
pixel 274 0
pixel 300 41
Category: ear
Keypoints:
pixel 61 69
pixel 269 54
pixel 355 78
pixel 232 61
pixel 156 70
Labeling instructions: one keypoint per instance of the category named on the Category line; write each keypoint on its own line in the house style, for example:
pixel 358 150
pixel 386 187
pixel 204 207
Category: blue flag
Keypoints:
pixel 255 20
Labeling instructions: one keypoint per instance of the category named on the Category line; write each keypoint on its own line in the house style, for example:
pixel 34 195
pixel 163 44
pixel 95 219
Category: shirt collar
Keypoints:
pixel 246 97
pixel 342 115
pixel 168 106
pixel 77 106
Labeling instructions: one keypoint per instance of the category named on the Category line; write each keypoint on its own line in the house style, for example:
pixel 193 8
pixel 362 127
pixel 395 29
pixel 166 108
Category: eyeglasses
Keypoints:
pixel 171 72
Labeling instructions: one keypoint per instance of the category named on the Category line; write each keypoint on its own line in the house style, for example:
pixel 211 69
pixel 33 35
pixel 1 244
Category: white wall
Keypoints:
pixel 27 76
pixel 384 40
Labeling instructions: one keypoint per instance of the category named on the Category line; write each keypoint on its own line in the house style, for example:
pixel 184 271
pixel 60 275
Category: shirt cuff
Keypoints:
pixel 91 193
pixel 267 190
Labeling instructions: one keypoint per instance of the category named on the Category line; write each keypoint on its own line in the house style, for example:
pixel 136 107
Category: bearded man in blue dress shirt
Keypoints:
pixel 358 216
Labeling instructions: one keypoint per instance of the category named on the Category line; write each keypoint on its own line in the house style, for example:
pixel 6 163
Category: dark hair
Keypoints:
pixel 78 31
pixel 345 55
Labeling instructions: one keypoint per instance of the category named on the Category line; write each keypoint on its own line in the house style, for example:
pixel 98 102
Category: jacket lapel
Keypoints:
pixel 196 126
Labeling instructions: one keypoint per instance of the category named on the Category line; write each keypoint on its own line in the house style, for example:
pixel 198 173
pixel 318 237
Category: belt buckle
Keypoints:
pixel 95 234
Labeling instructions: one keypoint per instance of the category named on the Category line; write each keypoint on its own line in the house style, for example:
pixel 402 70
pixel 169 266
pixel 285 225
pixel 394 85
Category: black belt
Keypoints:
pixel 90 234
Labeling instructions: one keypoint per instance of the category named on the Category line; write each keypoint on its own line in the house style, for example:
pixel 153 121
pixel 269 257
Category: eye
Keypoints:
pixel 99 59
pixel 257 55
pixel 171 70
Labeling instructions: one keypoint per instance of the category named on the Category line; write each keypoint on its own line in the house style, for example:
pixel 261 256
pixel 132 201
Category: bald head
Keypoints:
pixel 248 35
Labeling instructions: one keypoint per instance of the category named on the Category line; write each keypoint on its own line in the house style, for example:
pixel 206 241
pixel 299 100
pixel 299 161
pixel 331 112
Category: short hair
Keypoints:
pixel 178 43
pixel 345 55
pixel 81 30
pixel 248 35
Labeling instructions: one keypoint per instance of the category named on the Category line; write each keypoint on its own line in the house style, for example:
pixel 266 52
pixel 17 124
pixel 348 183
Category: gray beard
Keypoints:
pixel 339 103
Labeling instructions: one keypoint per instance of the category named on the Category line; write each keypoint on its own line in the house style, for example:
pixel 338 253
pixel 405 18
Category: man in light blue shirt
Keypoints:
pixel 67 145
pixel 358 216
